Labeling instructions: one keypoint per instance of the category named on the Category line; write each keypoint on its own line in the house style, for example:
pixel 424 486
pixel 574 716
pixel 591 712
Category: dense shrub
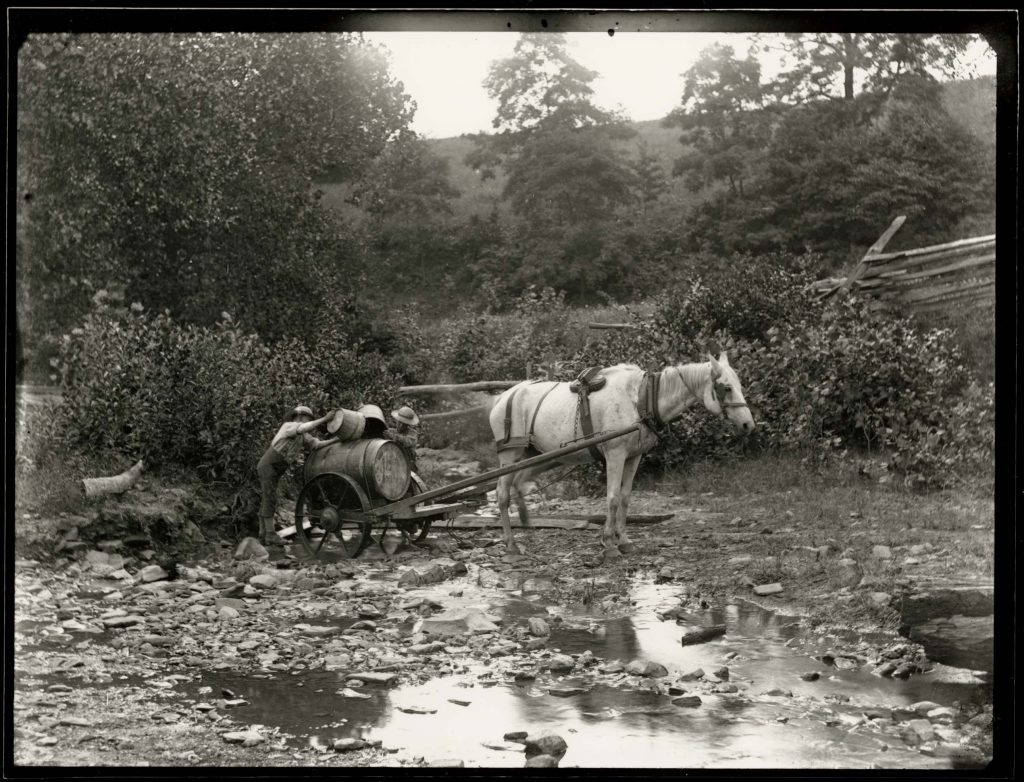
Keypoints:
pixel 499 346
pixel 207 398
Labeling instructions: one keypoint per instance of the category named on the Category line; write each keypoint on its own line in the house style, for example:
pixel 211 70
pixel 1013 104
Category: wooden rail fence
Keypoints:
pixel 956 275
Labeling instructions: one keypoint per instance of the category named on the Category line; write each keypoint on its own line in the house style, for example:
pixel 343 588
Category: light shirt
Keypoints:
pixel 288 442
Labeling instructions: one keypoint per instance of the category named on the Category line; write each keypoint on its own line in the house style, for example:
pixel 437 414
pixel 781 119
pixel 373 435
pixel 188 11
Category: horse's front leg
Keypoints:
pixel 613 467
pixel 628 473
pixel 503 493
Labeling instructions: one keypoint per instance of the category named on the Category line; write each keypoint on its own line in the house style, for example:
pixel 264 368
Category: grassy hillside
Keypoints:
pixel 971 102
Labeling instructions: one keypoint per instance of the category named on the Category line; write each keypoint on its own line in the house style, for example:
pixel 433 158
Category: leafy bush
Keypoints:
pixel 207 398
pixel 499 346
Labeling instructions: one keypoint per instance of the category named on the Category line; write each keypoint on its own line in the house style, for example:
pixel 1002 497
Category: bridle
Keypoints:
pixel 721 391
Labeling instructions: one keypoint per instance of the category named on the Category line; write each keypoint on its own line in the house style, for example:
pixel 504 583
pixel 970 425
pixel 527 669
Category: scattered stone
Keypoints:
pixel 810 676
pixel 347 692
pixel 768 589
pixel 959 641
pixel 881 552
pixel 247 738
pixel 923 707
pixel 348 745
pixel 726 688
pixel 417 709
pixel 560 662
pixel 459 701
pixel 647 668
pixel 741 560
pixel 849 573
pixel 444 763
pixel 778 691
pixel 922 728
pixel 458 623
pixel 539 627
pixel 263 581
pixel 123 621
pixel 722 673
pixel 692 676
pixel 545 743
pixel 701 634
pixel 943 715
pixel 689 701
pixel 566 692
pixel 227 613
pixel 364 624
pixel 250 548
pixel 374 677
pixel 515 735
pixel 541 761
pixel 880 598
pixel 152 573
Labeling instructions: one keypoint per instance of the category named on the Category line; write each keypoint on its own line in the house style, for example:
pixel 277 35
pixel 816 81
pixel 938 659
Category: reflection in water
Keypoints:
pixel 614 726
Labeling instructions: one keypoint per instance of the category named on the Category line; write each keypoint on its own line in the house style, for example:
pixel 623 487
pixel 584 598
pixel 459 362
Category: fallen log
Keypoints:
pixel 114 484
pixel 701 634
pixel 612 326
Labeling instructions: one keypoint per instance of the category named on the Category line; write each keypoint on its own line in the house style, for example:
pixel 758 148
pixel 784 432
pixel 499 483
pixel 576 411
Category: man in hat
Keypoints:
pixel 285 450
pixel 405 432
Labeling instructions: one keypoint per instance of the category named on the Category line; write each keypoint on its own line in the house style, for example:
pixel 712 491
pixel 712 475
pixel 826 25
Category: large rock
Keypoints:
pixel 152 573
pixel 560 662
pixel 545 743
pixel 541 761
pixel 932 603
pixel 539 627
pixel 458 622
pixel 250 548
pixel 646 668
pixel 958 641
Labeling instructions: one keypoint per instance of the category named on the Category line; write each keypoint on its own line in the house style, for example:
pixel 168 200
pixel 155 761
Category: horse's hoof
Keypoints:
pixel 627 548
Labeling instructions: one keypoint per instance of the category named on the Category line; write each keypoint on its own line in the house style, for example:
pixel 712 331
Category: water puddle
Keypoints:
pixel 609 723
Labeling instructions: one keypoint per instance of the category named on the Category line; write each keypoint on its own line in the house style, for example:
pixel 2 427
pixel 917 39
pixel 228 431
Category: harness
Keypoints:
pixel 590 380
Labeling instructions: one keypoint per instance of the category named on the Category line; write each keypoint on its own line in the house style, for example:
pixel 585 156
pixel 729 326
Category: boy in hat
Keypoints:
pixel 405 432
pixel 285 450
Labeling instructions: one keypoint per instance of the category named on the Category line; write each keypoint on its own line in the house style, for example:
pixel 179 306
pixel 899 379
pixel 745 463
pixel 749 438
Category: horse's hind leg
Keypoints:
pixel 609 535
pixel 628 473
pixel 503 493
pixel 521 487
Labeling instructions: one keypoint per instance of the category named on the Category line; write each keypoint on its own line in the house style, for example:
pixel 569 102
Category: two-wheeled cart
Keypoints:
pixel 359 493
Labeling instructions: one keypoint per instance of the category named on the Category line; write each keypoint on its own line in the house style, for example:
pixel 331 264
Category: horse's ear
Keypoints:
pixel 716 368
pixel 723 358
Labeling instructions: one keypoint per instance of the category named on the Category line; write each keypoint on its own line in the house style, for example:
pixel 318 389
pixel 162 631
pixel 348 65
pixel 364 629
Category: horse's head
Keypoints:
pixel 724 395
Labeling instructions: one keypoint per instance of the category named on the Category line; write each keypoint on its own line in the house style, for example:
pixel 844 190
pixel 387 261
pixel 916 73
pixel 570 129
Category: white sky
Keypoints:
pixel 641 72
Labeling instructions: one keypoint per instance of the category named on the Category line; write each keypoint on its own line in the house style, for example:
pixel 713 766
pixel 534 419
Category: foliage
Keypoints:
pixel 824 65
pixel 499 346
pixel 177 165
pixel 722 117
pixel 210 398
pixel 650 182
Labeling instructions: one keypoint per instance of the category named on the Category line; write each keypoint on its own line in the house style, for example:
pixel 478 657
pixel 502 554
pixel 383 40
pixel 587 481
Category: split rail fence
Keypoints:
pixel 944 277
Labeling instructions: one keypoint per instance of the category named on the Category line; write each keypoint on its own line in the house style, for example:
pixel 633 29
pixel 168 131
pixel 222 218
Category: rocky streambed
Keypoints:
pixel 460 654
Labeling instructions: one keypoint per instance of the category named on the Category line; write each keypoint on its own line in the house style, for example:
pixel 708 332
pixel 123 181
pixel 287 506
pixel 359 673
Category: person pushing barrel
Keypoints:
pixel 285 450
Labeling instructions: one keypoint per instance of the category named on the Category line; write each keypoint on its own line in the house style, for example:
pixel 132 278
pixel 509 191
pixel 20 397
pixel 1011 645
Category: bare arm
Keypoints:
pixel 309 426
pixel 324 443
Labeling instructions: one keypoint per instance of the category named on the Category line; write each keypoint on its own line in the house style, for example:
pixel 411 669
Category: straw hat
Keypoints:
pixel 406 415
pixel 372 412
pixel 300 410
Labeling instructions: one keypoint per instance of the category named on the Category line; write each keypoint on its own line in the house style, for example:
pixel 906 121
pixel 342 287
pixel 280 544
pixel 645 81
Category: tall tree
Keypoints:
pixel 649 175
pixel 179 164
pixel 722 117
pixel 826 65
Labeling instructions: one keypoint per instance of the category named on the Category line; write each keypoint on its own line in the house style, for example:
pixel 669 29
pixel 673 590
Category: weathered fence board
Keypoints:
pixel 925 279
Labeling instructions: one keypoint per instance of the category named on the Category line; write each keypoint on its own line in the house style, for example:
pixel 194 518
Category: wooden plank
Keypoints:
pixel 612 326
pixel 958 306
pixel 973 241
pixel 474 521
pixel 932 260
pixel 927 294
pixel 955 294
pixel 899 289
pixel 456 414
pixel 423 511
pixel 454 388
pixel 875 249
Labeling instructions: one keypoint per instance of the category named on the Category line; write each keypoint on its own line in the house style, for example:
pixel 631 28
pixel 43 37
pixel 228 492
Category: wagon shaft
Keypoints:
pixel 498 472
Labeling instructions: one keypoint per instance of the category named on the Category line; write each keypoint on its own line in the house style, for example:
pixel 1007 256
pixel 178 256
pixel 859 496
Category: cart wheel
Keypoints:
pixel 318 526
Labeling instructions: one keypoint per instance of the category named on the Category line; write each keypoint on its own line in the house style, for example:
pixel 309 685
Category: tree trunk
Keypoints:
pixel 849 58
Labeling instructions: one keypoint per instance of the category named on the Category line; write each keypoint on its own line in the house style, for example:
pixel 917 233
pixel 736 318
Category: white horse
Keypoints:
pixel 618 404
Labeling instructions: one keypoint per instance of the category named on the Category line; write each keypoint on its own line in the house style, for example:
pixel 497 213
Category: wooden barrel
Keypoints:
pixel 346 424
pixel 379 466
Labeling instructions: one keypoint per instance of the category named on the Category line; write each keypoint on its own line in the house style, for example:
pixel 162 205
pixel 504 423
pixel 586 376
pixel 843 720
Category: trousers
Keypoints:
pixel 270 469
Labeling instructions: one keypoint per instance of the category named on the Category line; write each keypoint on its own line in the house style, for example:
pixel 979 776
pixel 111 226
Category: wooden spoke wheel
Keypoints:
pixel 320 523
